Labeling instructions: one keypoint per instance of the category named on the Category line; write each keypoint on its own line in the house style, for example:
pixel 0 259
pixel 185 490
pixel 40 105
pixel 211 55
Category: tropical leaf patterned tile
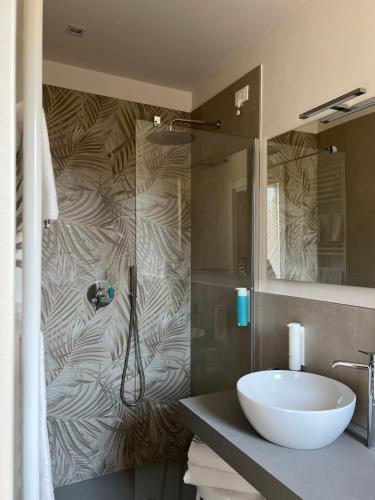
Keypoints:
pixel 133 207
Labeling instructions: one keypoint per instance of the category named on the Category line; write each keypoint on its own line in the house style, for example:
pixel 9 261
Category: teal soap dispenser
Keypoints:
pixel 242 307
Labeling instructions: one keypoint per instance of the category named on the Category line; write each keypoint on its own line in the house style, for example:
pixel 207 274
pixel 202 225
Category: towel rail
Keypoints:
pixel 32 228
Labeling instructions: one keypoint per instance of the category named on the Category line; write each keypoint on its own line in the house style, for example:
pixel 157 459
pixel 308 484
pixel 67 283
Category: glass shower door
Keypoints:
pixel 221 218
pixel 193 220
pixel 193 239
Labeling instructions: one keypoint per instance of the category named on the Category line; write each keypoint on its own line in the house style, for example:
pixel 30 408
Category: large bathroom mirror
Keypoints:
pixel 321 202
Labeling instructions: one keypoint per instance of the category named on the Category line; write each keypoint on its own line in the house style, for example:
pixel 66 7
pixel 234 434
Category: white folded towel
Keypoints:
pixel 200 454
pixel 202 476
pixel 50 209
pixel 206 468
pixel 205 492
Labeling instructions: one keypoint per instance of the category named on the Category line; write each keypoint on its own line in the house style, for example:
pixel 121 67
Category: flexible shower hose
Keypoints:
pixel 133 336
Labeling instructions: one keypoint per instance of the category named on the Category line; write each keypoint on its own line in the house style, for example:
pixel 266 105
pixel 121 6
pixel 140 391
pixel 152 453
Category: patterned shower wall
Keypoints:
pixel 98 235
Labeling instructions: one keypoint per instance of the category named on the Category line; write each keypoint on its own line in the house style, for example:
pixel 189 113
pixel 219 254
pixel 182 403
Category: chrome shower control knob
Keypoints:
pixel 100 294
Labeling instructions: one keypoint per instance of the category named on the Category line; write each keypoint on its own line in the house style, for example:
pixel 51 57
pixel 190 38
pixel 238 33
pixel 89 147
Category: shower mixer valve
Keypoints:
pixel 100 294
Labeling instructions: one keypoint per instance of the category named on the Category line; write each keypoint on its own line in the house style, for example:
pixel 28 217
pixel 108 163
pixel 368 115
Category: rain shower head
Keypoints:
pixel 171 137
pixel 178 137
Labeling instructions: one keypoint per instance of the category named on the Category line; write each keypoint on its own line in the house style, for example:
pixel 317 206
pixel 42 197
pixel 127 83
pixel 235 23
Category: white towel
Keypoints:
pixel 50 209
pixel 206 468
pixel 201 476
pixel 201 455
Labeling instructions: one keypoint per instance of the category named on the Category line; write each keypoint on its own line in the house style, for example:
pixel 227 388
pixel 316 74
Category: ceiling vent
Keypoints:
pixel 74 30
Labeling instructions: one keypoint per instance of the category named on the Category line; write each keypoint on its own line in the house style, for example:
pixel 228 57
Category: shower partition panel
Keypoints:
pixel 222 194
pixel 206 185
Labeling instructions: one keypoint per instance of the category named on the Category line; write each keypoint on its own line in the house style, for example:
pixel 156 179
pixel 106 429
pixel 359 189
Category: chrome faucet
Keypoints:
pixel 371 392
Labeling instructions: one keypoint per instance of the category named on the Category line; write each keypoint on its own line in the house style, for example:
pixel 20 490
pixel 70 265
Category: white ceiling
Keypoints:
pixel 176 43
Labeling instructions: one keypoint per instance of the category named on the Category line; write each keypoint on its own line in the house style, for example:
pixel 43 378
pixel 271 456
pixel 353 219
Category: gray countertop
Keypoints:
pixel 345 470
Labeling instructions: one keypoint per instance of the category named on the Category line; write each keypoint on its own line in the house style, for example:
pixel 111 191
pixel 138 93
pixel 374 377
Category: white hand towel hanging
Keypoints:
pixel 50 209
pixel 49 212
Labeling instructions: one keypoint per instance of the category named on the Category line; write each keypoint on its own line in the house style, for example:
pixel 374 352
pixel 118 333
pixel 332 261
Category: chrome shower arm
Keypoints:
pixel 216 124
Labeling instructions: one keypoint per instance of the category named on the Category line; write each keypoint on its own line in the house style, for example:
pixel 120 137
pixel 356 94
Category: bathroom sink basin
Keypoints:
pixel 296 409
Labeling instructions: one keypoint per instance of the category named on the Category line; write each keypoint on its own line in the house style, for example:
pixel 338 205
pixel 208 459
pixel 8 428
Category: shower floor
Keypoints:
pixel 160 481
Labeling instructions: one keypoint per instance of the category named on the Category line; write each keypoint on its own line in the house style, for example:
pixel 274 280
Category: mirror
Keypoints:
pixel 220 211
pixel 321 202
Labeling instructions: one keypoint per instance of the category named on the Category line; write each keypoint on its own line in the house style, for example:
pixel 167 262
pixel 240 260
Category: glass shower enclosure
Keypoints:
pixel 182 214
pixel 193 248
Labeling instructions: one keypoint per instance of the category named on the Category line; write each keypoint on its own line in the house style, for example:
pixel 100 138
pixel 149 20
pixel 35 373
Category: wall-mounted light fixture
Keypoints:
pixel 337 104
pixel 368 103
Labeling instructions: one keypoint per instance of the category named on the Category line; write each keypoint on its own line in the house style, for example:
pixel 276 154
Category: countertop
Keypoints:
pixel 344 470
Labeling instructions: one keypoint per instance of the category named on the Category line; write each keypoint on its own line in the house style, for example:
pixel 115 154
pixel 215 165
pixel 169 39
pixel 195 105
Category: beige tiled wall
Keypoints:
pixel 333 331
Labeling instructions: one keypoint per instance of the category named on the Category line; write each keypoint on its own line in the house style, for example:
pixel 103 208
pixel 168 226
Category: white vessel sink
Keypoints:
pixel 296 409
